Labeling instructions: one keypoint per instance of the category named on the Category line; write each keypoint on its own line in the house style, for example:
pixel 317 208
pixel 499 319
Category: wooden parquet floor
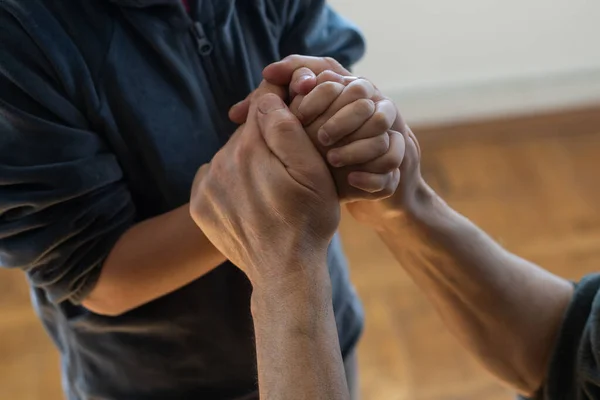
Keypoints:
pixel 532 183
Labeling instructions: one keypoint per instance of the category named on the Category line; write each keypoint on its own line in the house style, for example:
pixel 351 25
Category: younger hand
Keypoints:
pixel 353 133
pixel 299 72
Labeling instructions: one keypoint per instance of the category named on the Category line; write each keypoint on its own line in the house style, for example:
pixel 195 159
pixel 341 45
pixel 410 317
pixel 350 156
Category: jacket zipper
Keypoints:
pixel 205 49
pixel 204 45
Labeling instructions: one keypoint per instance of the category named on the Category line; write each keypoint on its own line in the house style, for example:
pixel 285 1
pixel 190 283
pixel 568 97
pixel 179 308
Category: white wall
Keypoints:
pixel 456 59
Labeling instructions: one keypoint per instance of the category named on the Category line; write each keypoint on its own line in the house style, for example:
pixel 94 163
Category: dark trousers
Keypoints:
pixel 351 367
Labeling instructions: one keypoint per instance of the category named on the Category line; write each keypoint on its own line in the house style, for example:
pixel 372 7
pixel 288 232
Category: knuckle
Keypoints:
pixel 238 156
pixel 382 142
pixel 378 96
pixel 388 190
pixel 332 62
pixel 297 74
pixel 302 71
pixel 389 164
pixel 216 165
pixel 381 121
pixel 200 204
pixel 196 208
pixel 286 124
pixel 364 108
pixel 388 186
pixel 359 89
pixel 330 88
pixel 293 58
pixel 327 75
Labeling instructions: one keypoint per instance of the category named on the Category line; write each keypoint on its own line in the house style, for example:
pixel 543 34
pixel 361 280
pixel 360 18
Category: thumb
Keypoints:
pixel 238 113
pixel 288 141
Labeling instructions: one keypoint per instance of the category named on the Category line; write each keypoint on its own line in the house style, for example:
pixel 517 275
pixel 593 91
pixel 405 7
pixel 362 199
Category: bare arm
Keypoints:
pixel 279 238
pixel 505 310
pixel 66 213
pixel 153 258
pixel 296 339
pixel 167 252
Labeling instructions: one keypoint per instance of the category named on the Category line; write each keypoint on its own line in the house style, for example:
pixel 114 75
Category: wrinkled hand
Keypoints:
pixel 267 199
pixel 300 73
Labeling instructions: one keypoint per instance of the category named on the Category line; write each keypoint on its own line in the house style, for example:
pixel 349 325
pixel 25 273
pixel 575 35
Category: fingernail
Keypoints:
pixel 324 137
pixel 334 159
pixel 303 78
pixel 269 103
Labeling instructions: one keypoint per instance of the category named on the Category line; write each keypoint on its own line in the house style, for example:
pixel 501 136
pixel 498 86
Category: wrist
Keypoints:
pixel 294 257
pixel 415 209
pixel 308 288
pixel 425 215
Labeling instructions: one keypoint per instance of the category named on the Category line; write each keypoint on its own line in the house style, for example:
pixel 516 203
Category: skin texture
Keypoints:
pixel 163 254
pixel 152 259
pixel 302 74
pixel 353 134
pixel 279 238
pixel 504 310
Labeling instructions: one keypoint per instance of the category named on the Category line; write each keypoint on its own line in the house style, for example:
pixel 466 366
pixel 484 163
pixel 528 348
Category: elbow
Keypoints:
pixel 105 306
pixel 526 381
pixel 527 387
pixel 524 384
pixel 531 376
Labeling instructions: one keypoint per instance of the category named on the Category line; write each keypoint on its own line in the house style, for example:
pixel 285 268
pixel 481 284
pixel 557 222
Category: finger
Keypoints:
pixel 380 121
pixel 280 73
pixel 350 119
pixel 268 88
pixel 295 107
pixel 331 76
pixel 358 89
pixel 380 186
pixel 238 113
pixel 360 151
pixel 303 81
pixel 318 101
pixel 392 159
pixel 288 141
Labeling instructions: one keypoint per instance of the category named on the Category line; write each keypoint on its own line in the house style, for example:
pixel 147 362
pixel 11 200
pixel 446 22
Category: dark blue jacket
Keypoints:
pixel 107 109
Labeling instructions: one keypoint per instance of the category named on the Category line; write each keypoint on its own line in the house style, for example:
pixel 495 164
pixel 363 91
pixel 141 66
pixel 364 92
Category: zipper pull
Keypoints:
pixel 205 47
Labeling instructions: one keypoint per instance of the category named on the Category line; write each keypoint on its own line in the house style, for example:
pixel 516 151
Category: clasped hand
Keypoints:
pixel 269 200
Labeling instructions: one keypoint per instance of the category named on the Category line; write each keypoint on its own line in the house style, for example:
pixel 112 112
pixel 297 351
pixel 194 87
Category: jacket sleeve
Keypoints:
pixel 63 202
pixel 574 371
pixel 313 28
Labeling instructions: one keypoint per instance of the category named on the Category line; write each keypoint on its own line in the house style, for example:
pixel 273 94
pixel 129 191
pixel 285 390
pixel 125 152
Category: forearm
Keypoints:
pixel 296 340
pixel 504 310
pixel 152 259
